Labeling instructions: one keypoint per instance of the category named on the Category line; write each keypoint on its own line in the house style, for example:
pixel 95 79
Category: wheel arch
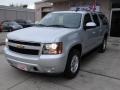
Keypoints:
pixel 76 46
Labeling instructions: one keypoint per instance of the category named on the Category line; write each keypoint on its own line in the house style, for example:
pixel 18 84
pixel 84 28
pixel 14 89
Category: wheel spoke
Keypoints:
pixel 74 64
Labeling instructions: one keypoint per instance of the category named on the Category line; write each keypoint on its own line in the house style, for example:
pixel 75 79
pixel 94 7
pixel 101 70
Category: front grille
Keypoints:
pixel 24 51
pixel 24 43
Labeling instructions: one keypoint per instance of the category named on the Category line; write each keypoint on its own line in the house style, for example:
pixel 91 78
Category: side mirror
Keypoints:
pixel 90 25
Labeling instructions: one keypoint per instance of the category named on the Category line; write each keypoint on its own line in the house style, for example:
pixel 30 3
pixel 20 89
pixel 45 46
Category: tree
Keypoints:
pixel 25 6
pixel 21 5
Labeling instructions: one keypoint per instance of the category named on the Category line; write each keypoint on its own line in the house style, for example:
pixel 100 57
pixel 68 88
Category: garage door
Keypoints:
pixel 115 23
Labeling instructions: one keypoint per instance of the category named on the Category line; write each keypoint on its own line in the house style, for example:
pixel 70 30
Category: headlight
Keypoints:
pixel 52 48
pixel 6 41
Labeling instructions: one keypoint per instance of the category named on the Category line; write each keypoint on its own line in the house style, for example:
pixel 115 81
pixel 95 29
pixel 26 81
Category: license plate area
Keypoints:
pixel 22 67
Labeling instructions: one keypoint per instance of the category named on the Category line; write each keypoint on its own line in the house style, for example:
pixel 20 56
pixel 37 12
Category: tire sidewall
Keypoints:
pixel 103 46
pixel 68 73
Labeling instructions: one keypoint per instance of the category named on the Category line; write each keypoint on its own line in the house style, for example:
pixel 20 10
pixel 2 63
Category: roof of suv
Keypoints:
pixel 82 12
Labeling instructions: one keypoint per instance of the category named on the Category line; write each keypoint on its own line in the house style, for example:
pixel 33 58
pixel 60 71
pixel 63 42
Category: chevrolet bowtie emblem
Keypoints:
pixel 20 46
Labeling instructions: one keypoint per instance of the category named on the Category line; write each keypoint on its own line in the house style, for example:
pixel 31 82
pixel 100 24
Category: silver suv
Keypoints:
pixel 57 43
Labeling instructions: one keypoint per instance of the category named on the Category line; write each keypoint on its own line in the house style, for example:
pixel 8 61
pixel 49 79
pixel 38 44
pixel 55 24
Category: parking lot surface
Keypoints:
pixel 2 37
pixel 98 72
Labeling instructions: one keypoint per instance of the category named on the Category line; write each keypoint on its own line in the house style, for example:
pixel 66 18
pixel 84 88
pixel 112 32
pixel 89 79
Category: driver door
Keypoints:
pixel 89 34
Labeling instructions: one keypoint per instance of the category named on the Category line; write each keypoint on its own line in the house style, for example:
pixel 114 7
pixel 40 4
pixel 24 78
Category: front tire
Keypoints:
pixel 73 64
pixel 10 29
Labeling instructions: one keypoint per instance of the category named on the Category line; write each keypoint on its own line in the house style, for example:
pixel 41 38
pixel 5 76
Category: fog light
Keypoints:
pixel 50 70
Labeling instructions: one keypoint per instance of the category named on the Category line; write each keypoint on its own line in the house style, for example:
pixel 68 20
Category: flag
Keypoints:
pixel 93 5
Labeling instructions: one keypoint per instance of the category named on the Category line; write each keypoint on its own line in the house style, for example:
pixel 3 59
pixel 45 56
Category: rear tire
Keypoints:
pixel 73 64
pixel 103 46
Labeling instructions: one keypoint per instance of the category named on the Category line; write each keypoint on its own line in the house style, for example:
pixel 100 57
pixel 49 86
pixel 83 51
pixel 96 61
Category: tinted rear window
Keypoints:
pixel 104 19
pixel 96 20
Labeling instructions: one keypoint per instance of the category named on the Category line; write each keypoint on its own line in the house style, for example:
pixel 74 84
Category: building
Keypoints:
pixel 12 13
pixel 42 8
pixel 111 8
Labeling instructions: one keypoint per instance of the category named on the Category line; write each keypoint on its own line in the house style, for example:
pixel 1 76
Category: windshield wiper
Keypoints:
pixel 58 26
pixel 41 25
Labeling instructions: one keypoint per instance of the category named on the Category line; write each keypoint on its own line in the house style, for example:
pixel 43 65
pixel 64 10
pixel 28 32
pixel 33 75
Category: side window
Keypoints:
pixel 104 19
pixel 87 19
pixel 96 20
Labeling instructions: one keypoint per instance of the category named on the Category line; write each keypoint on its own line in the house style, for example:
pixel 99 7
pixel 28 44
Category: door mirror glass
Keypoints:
pixel 91 25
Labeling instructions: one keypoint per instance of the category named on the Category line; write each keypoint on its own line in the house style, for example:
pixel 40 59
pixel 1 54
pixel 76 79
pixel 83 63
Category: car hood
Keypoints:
pixel 39 34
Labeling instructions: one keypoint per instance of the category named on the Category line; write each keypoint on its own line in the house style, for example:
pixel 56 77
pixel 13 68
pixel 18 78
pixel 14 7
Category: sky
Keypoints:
pixel 30 3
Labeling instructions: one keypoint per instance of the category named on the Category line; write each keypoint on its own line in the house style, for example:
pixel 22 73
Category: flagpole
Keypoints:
pixel 94 5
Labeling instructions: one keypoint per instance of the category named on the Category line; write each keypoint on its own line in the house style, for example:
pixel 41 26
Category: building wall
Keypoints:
pixel 2 14
pixel 39 7
pixel 61 6
pixel 105 5
pixel 12 13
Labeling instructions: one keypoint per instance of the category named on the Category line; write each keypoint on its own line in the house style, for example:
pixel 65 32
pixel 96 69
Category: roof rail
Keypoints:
pixel 79 9
pixel 84 8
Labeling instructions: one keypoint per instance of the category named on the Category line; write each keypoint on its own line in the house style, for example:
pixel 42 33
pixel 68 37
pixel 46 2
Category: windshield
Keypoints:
pixel 64 20
pixel 10 23
pixel 13 23
pixel 5 23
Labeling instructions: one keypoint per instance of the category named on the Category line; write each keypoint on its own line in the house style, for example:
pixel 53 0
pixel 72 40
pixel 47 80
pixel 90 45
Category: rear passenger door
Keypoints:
pixel 104 26
pixel 97 28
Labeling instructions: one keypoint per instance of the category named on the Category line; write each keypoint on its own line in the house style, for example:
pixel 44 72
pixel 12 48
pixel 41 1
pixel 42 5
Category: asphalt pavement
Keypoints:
pixel 2 37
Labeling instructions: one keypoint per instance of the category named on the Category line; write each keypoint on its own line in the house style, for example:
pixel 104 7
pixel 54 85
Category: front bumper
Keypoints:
pixel 34 63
